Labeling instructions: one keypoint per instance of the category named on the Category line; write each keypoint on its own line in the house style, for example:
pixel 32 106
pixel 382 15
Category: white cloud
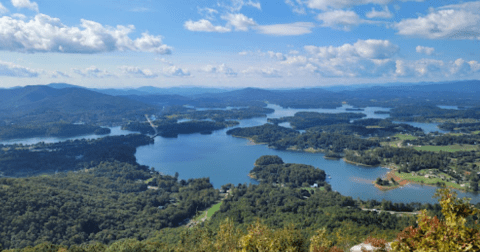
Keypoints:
pixel 137 72
pixel 204 25
pixel 295 60
pixel 222 69
pixel 297 6
pixel 175 71
pixel 163 60
pixel 59 74
pixel 292 29
pixel 25 4
pixel 237 5
pixel 140 9
pixel 369 49
pixel 461 21
pixel 268 72
pixel 425 50
pixel 208 13
pixel 46 34
pixel 474 65
pixel 3 9
pixel 254 4
pixel 341 4
pixel 243 53
pixel 460 67
pixel 425 67
pixel 18 16
pixel 363 58
pixel 276 55
pixel 239 21
pixel 402 69
pixel 340 19
pixel 384 13
pixel 13 70
pixel 93 72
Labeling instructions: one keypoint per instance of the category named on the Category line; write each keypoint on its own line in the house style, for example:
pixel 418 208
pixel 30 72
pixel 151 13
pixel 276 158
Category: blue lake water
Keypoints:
pixel 115 131
pixel 225 159
pixel 426 127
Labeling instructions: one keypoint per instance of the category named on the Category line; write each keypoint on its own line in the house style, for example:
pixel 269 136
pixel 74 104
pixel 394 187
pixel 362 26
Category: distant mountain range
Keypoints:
pixel 44 103
pixel 62 101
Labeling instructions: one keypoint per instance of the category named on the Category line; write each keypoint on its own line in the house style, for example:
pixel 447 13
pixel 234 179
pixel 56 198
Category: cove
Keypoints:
pixel 226 159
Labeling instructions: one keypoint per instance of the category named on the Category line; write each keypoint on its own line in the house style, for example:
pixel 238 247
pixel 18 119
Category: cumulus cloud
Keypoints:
pixel 204 25
pixel 175 71
pixel 460 67
pixel 363 58
pixel 428 66
pixel 384 13
pixel 425 50
pixel 239 21
pixel 369 49
pixel 341 4
pixel 402 69
pixel 460 21
pixel 297 6
pixel 46 34
pixel 292 29
pixel 137 72
pixel 59 74
pixel 25 4
pixel 237 5
pixel 13 70
pixel 3 9
pixel 341 19
pixel 276 55
pixel 208 13
pixel 18 16
pixel 93 72
pixel 295 60
pixel 221 69
pixel 268 72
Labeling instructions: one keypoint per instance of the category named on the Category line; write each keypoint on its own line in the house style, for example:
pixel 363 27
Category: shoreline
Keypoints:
pixel 391 174
pixel 359 164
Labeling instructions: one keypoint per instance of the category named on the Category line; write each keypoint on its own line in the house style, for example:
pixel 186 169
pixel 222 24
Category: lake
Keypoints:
pixel 115 131
pixel 226 159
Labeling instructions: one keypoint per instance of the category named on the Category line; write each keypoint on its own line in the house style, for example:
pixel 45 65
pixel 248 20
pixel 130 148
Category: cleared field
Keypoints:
pixel 209 212
pixel 405 137
pixel 427 181
pixel 447 148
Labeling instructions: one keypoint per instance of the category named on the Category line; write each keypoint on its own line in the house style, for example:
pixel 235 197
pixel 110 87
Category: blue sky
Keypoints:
pixel 237 43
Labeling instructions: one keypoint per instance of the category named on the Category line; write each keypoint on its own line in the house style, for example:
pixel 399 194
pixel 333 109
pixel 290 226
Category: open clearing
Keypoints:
pixel 447 148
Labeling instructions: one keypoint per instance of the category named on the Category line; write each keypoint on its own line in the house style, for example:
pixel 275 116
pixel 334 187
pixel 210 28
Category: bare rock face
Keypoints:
pixel 367 247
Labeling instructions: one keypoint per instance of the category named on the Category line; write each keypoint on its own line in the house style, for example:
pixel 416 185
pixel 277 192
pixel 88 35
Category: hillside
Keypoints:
pixel 46 104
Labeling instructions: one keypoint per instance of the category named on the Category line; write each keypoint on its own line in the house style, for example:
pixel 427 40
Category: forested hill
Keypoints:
pixel 46 104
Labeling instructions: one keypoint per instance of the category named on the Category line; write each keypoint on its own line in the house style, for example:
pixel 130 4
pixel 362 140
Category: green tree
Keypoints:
pixel 451 234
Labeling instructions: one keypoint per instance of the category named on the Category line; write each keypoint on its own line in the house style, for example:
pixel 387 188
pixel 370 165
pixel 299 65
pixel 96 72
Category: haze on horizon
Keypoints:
pixel 237 43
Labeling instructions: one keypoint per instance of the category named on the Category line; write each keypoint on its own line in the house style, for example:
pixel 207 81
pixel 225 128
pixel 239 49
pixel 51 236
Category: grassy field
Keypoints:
pixel 476 132
pixel 405 137
pixel 427 181
pixel 447 148
pixel 210 211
